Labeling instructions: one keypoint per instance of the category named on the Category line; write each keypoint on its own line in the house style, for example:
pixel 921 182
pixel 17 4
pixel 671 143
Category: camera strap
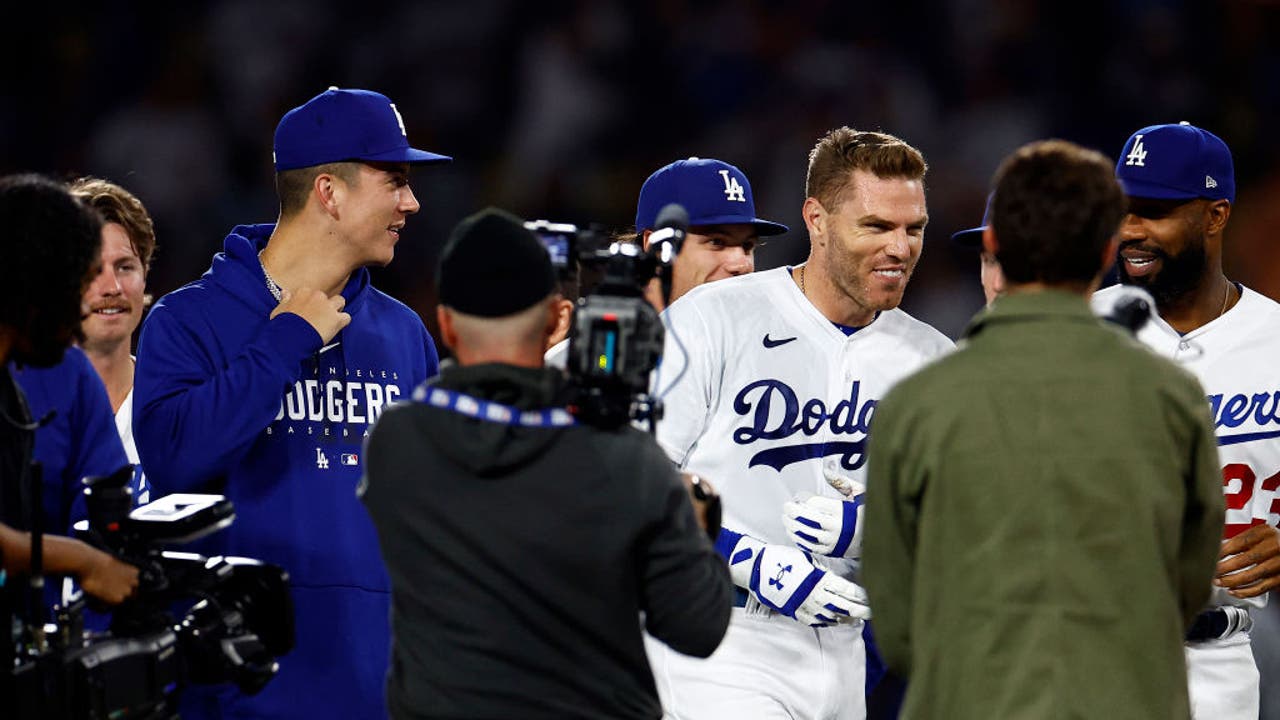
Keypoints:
pixel 490 411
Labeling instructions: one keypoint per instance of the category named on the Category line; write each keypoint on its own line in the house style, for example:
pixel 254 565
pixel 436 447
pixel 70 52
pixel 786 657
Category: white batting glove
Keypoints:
pixel 785 580
pixel 825 525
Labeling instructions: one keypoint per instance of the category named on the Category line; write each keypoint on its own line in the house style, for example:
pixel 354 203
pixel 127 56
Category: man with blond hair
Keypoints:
pixel 770 380
pixel 116 299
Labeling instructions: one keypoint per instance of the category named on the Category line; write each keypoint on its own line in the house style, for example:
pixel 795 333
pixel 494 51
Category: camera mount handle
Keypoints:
pixel 35 578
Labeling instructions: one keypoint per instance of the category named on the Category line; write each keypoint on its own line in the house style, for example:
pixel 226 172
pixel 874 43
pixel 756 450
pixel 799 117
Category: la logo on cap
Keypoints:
pixel 732 188
pixel 1138 155
pixel 1189 162
pixel 712 191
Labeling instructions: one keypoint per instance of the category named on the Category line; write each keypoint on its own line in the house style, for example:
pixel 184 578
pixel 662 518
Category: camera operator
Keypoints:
pixel 522 545
pixel 49 244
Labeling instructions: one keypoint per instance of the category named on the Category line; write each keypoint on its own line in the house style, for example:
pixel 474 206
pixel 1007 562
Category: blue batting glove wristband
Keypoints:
pixel 726 541
pixel 741 552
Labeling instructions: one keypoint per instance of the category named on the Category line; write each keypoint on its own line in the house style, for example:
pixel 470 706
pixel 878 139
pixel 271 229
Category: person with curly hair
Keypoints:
pixel 49 242
pixel 116 299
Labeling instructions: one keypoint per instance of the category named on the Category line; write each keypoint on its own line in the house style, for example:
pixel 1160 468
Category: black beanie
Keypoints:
pixel 492 266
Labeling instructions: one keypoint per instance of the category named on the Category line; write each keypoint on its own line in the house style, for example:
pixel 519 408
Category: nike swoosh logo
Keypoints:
pixel 330 346
pixel 771 343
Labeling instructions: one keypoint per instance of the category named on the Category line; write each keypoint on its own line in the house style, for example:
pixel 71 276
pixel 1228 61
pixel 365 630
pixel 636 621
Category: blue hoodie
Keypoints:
pixel 79 440
pixel 229 401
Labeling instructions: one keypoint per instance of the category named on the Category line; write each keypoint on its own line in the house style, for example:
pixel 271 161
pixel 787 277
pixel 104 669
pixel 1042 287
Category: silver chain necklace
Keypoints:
pixel 272 285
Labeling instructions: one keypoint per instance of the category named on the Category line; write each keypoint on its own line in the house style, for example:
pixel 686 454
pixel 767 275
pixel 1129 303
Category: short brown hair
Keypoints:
pixel 293 186
pixel 117 205
pixel 843 150
pixel 1056 207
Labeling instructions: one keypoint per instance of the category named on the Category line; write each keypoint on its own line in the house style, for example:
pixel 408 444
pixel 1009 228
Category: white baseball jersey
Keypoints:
pixel 1234 357
pixel 762 392
pixel 124 428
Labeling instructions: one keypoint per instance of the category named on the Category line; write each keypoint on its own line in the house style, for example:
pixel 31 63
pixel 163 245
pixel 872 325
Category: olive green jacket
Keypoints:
pixel 1044 509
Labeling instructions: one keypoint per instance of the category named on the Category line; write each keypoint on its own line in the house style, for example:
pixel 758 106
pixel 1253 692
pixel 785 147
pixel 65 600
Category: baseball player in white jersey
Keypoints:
pixel 1180 182
pixel 770 381
pixel 723 227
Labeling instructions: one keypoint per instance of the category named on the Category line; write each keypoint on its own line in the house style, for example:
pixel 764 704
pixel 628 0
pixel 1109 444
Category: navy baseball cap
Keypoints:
pixel 712 191
pixel 341 125
pixel 973 236
pixel 1176 162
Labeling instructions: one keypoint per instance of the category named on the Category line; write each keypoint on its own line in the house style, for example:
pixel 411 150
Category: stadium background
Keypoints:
pixel 559 110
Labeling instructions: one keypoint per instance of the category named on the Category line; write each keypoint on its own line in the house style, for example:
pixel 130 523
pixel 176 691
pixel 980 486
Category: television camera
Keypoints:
pixel 193 619
pixel 616 339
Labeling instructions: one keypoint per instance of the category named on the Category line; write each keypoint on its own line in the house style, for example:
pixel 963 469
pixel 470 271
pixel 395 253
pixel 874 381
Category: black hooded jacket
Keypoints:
pixel 523 560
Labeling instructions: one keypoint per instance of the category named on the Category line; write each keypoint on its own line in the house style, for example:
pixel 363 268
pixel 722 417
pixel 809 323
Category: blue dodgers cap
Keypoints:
pixel 339 125
pixel 1176 162
pixel 712 191
pixel 973 236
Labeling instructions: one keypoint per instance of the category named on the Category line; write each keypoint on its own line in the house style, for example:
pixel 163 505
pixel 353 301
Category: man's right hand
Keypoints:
pixel 785 580
pixel 322 312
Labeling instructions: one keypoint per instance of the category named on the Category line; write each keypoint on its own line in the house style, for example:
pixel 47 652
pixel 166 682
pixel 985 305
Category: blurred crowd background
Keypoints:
pixel 559 110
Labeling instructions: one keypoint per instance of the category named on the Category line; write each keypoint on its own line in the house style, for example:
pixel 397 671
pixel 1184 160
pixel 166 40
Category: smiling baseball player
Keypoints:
pixel 1181 186
pixel 770 381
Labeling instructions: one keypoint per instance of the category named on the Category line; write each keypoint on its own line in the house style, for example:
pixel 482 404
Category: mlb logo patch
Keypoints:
pixel 350 459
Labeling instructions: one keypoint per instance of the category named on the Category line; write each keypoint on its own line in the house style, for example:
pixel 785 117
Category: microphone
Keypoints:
pixel 668 234
pixel 1131 309
pixel 665 242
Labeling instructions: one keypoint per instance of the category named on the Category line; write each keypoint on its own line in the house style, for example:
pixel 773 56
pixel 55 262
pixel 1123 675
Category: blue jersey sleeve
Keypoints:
pixel 199 400
pixel 77 438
